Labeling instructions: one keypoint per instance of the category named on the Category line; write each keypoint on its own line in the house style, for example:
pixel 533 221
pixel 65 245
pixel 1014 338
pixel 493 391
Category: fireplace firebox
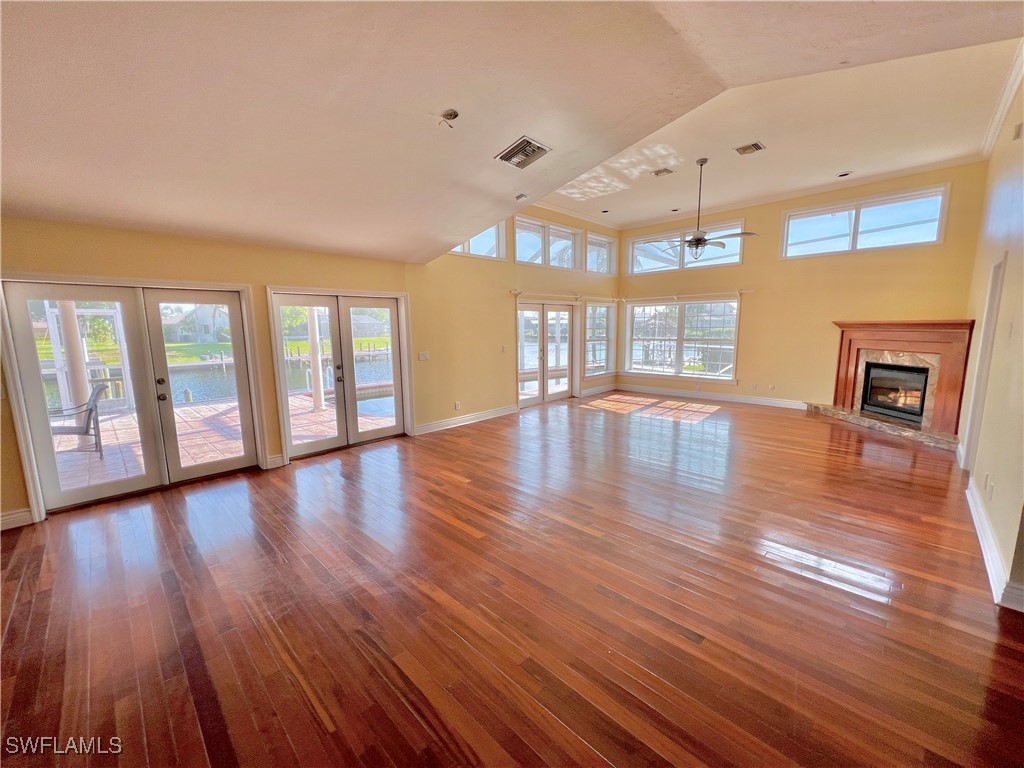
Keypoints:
pixel 895 390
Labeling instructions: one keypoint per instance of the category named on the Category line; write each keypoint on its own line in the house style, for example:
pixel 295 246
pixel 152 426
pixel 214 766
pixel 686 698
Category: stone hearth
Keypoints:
pixel 886 424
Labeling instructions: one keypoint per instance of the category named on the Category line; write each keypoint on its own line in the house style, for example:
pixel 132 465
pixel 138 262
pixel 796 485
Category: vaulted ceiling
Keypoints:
pixel 318 125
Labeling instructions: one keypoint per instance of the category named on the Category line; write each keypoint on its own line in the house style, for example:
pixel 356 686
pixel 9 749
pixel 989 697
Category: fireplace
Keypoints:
pixel 895 390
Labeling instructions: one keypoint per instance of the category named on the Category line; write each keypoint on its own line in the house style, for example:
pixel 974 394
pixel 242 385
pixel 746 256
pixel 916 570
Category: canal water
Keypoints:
pixel 217 382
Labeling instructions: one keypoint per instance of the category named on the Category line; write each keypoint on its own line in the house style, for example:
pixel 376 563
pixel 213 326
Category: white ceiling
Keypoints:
pixel 317 124
pixel 873 120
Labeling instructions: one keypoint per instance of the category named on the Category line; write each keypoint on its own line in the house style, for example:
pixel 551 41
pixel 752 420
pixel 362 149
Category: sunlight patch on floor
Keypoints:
pixel 675 410
pixel 620 403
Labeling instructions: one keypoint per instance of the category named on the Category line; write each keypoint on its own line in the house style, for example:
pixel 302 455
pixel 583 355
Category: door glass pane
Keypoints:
pixel 83 361
pixel 202 383
pixel 309 370
pixel 373 352
pixel 557 351
pixel 529 358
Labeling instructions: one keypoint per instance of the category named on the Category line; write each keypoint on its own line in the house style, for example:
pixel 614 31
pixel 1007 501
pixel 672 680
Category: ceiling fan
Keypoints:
pixel 697 241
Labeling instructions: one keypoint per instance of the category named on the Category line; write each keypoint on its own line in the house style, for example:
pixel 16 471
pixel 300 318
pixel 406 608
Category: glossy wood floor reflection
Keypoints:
pixel 626 580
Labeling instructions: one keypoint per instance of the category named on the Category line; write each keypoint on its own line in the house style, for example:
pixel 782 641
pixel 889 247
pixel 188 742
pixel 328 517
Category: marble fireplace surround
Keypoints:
pixel 929 360
pixel 940 346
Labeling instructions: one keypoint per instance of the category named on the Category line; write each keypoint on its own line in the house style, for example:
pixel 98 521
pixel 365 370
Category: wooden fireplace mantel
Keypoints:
pixel 951 339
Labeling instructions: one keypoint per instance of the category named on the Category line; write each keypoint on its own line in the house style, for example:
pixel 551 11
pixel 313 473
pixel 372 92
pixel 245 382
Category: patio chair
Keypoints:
pixel 90 414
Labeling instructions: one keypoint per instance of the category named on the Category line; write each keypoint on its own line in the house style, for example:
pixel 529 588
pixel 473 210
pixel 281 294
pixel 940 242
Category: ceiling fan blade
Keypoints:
pixel 737 234
pixel 715 243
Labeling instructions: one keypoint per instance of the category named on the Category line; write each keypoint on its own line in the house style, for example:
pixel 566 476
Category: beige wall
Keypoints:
pixel 12 483
pixel 786 336
pixel 1000 453
pixel 462 309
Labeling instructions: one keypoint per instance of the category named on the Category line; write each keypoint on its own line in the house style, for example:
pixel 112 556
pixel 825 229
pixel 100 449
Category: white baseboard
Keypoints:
pixel 1013 596
pixel 458 421
pixel 598 390
pixel 998 575
pixel 274 461
pixel 797 405
pixel 15 518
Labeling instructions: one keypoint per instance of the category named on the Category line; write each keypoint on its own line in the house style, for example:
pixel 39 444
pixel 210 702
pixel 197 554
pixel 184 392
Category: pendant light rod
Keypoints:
pixel 700 187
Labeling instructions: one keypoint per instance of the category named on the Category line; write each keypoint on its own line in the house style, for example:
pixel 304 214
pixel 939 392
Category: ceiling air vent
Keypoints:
pixel 749 149
pixel 662 172
pixel 523 152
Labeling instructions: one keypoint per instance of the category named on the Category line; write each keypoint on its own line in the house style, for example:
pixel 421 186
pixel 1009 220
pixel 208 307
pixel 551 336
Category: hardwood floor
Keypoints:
pixel 627 580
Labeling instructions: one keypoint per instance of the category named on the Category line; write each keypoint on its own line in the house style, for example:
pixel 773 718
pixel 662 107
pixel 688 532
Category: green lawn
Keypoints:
pixel 301 346
pixel 182 352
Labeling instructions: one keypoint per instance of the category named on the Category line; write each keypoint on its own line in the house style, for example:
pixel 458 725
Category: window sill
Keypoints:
pixel 681 377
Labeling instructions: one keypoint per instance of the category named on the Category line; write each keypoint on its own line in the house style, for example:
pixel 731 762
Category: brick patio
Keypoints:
pixel 206 432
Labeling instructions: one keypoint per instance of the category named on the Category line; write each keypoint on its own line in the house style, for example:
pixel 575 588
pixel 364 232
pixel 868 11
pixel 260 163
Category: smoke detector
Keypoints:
pixel 522 152
pixel 749 149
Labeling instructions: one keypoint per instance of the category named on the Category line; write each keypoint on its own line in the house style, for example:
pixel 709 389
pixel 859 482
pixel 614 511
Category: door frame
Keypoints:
pixel 137 369
pixel 575 340
pixel 12 379
pixel 967 451
pixel 152 298
pixel 281 377
pixel 346 304
pixel 404 352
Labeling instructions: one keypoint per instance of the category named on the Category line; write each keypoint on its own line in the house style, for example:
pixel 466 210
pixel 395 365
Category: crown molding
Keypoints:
pixel 1010 86
pixel 741 206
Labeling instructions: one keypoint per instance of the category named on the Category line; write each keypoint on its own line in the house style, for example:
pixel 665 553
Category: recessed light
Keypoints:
pixel 844 174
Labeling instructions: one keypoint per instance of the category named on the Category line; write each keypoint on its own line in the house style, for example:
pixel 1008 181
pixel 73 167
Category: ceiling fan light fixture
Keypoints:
pixel 697 242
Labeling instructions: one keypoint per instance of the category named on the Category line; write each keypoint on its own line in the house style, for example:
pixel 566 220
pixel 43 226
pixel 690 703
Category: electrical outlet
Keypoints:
pixel 504 348
pixel 424 355
pixel 458 405
pixel 753 387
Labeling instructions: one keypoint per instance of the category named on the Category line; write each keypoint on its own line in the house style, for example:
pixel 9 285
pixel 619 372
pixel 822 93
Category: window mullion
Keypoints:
pixel 680 335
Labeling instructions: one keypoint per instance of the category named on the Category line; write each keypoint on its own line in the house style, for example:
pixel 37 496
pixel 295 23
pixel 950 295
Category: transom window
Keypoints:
pixel 911 219
pixel 601 254
pixel 489 244
pixel 659 253
pixel 692 338
pixel 598 330
pixel 546 244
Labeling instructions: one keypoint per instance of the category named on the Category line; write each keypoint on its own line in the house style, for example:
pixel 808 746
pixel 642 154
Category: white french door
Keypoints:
pixel 339 370
pixel 127 389
pixel 202 381
pixel 544 344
